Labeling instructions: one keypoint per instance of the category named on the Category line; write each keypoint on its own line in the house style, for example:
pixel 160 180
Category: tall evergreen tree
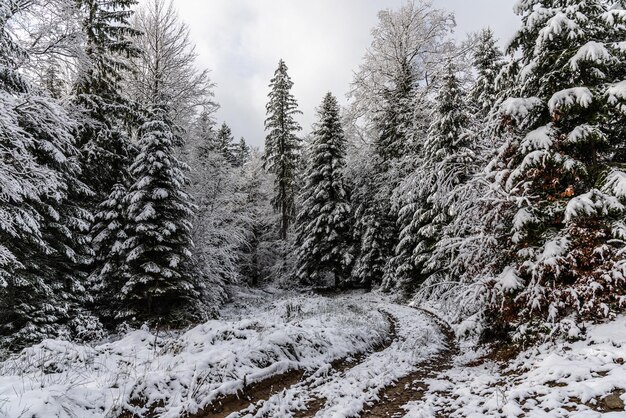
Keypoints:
pixel 102 136
pixel 241 151
pixel 109 273
pixel 282 146
pixel 52 80
pixel 224 144
pixel 467 249
pixel 387 89
pixel 43 228
pixel 158 248
pixel 488 61
pixel 102 133
pixel 562 166
pixel 323 222
pixel 430 201
pixel 376 222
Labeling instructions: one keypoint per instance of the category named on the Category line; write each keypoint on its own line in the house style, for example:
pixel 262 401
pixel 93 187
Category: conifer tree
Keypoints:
pixel 102 135
pixel 468 245
pixel 224 144
pixel 387 88
pixel 282 146
pixel 52 80
pixel 105 118
pixel 374 229
pixel 376 223
pixel 158 248
pixel 241 150
pixel 430 201
pixel 488 61
pixel 323 222
pixel 110 233
pixel 204 129
pixel 43 228
pixel 561 166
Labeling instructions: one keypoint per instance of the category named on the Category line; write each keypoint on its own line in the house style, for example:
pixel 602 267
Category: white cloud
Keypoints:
pixel 321 41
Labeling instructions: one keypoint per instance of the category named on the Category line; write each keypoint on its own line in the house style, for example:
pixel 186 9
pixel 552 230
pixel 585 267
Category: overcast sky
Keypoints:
pixel 322 42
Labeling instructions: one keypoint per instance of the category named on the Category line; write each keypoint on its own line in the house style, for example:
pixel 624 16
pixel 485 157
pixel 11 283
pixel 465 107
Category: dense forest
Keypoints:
pixel 484 182
pixel 481 185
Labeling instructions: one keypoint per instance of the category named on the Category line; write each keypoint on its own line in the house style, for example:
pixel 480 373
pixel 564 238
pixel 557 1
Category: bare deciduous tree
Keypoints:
pixel 167 67
pixel 407 46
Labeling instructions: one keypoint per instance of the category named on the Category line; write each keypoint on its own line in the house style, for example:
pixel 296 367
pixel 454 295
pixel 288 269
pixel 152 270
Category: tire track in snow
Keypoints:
pixel 329 393
pixel 316 404
pixel 411 387
pixel 254 396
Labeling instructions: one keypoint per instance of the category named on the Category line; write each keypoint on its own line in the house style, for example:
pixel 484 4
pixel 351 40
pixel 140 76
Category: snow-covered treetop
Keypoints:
pixel 408 44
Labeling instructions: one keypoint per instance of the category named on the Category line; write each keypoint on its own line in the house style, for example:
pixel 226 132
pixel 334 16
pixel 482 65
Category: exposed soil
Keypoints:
pixel 225 406
pixel 264 389
pixel 411 387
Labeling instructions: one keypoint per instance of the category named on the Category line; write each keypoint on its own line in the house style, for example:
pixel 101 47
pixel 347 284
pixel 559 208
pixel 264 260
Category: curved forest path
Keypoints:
pixel 374 384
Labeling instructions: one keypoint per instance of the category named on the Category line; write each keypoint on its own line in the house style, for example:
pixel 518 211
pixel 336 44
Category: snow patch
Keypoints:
pixel 590 52
pixel 519 108
pixel 567 98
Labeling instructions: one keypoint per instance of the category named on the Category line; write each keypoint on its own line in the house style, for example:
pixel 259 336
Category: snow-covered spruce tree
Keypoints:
pixel 488 61
pixel 105 117
pixel 373 233
pixel 241 151
pixel 562 168
pixel 225 144
pixel 43 229
pixel 157 252
pixel 472 196
pixel 428 190
pixel 282 146
pixel 109 274
pixel 484 95
pixel 394 143
pixel 405 45
pixel 375 222
pixel 324 218
pixel 469 245
pixel 102 132
pixel 52 80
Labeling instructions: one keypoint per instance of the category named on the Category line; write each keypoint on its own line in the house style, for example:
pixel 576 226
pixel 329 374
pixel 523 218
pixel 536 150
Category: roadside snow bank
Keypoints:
pixel 581 379
pixel 62 379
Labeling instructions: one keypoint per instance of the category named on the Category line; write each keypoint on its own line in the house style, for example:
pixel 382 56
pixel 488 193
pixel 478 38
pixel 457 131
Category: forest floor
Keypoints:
pixel 286 355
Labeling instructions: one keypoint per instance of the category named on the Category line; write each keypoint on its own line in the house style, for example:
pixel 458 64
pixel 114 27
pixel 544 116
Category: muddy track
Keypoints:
pixel 263 390
pixel 412 386
pixel 316 404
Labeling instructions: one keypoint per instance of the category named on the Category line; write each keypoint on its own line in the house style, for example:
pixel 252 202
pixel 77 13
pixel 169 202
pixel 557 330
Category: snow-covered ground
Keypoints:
pixel 347 393
pixel 185 372
pixel 580 379
pixel 266 335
